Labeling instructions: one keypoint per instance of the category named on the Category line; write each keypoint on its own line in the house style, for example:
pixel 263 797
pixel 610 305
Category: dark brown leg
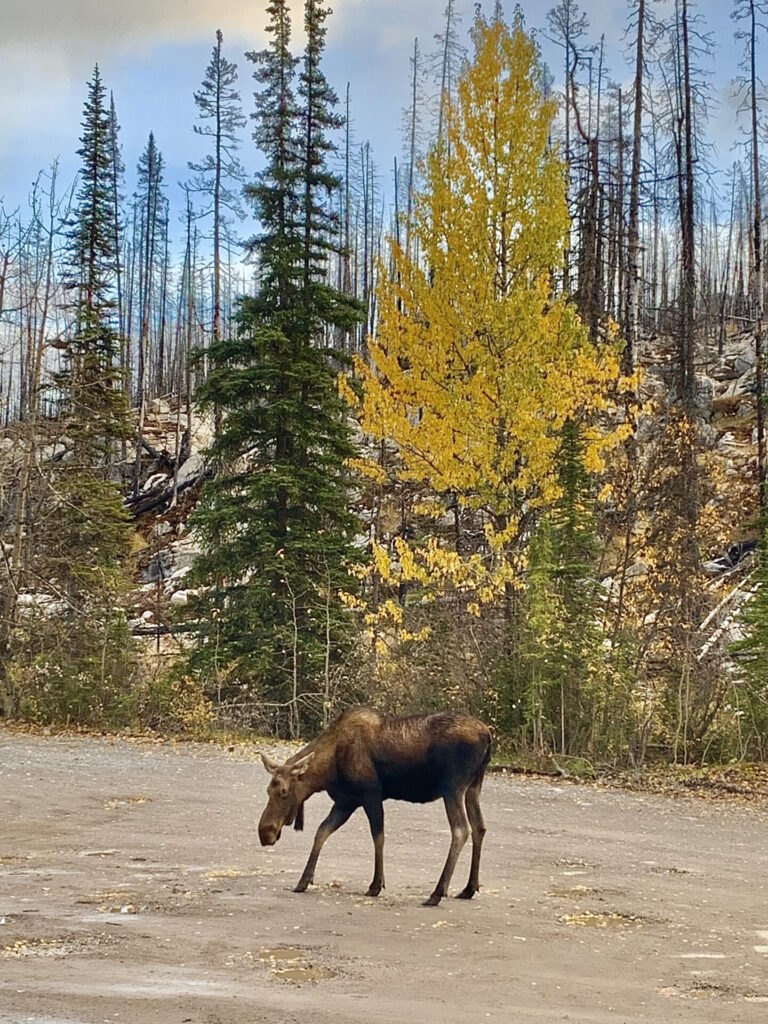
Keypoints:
pixel 375 812
pixel 338 815
pixel 477 825
pixel 457 819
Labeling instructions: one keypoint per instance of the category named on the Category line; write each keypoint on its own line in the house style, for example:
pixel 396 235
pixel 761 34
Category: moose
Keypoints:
pixel 364 758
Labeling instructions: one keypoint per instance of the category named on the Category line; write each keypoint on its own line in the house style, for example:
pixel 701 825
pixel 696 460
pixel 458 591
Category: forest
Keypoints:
pixel 479 425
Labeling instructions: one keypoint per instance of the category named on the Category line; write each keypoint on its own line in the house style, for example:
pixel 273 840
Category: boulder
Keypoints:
pixel 192 468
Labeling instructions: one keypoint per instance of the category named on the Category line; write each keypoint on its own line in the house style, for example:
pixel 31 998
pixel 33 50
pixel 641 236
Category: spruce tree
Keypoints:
pixel 275 523
pixel 218 105
pixel 153 215
pixel 751 692
pixel 86 533
pixel 89 381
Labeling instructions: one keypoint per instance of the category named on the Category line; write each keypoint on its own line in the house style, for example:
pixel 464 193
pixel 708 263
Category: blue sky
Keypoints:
pixel 153 54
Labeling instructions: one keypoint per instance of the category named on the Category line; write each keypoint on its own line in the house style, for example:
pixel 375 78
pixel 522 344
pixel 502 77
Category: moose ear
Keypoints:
pixel 269 764
pixel 301 766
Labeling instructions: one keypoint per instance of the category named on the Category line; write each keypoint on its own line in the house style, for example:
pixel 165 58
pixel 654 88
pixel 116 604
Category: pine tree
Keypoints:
pixel 90 376
pixel 117 168
pixel 218 102
pixel 153 217
pixel 86 535
pixel 92 250
pixel 752 653
pixel 562 672
pixel 318 101
pixel 275 194
pixel 275 524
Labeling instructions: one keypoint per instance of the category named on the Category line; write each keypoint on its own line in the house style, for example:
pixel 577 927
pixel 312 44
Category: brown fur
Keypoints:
pixel 364 758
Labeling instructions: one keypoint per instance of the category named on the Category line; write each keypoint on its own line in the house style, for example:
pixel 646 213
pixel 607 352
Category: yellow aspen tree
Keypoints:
pixel 477 364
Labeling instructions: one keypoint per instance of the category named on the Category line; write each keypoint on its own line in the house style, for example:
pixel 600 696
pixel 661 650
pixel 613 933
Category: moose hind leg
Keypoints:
pixel 374 809
pixel 477 825
pixel 338 815
pixel 457 819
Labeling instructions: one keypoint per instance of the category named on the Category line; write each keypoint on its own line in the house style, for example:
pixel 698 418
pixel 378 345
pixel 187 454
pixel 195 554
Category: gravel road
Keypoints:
pixel 133 889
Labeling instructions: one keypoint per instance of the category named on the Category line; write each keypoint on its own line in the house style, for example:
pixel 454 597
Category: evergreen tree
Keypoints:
pixel 153 216
pixel 319 118
pixel 752 652
pixel 275 524
pixel 92 250
pixel 86 533
pixel 117 168
pixel 275 193
pixel 218 102
pixel 573 696
pixel 92 402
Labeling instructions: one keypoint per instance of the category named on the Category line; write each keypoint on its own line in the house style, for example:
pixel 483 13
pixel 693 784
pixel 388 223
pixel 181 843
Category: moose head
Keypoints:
pixel 286 796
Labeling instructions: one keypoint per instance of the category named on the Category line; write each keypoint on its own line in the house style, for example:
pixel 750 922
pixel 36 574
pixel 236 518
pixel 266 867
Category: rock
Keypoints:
pixel 159 407
pixel 184 554
pixel 154 482
pixel 158 567
pixel 28 603
pixel 723 372
pixel 180 598
pixel 637 569
pixel 160 529
pixel 743 365
pixel 192 468
pixel 703 395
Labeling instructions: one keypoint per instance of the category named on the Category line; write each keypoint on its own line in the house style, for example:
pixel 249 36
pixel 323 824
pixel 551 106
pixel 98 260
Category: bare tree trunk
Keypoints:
pixel 633 230
pixel 412 146
pixel 757 268
pixel 688 282
pixel 16 563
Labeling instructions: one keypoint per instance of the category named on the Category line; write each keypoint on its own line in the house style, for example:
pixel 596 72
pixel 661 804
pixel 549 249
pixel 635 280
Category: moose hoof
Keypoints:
pixel 374 890
pixel 466 894
pixel 302 885
pixel 432 901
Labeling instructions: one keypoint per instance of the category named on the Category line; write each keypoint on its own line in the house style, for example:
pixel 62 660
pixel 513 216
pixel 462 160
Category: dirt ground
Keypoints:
pixel 133 889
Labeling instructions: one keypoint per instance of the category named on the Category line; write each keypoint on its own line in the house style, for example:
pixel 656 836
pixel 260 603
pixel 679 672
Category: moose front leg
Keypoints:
pixel 339 813
pixel 374 810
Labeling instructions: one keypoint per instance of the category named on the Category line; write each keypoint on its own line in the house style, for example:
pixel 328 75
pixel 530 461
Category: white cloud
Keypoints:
pixel 74 25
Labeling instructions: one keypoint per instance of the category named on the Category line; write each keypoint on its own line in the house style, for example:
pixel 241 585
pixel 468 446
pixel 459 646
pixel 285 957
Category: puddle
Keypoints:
pixel 113 901
pixel 572 894
pixel 37 872
pixel 57 946
pixel 703 990
pixel 699 956
pixel 304 973
pixel 601 920
pixel 125 801
pixel 289 963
